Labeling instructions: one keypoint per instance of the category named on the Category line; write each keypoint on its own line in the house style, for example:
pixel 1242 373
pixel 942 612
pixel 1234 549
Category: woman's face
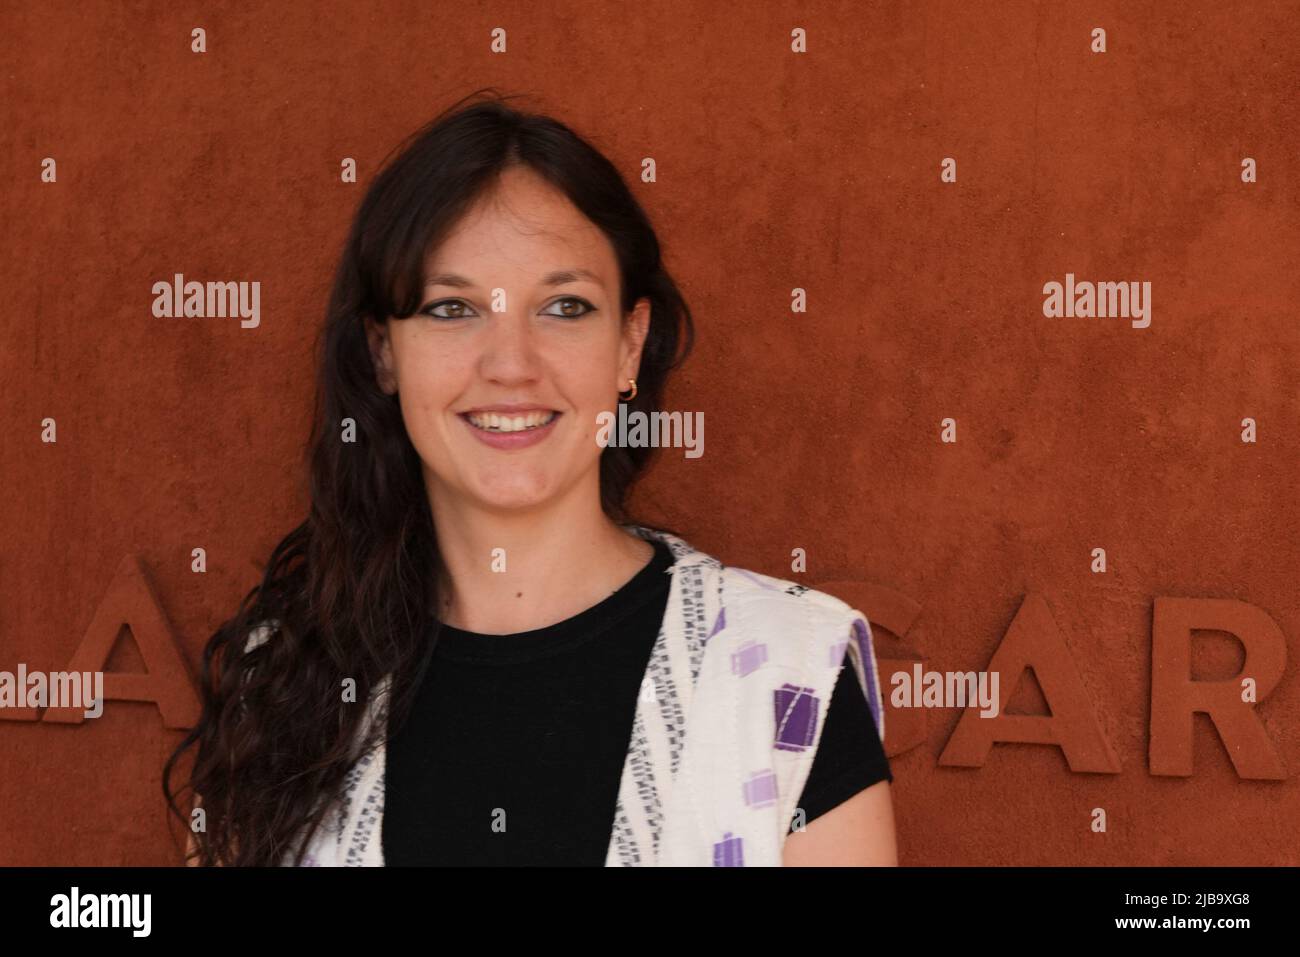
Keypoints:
pixel 519 323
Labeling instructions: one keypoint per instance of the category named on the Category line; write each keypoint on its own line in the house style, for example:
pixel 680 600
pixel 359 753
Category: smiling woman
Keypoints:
pixel 469 652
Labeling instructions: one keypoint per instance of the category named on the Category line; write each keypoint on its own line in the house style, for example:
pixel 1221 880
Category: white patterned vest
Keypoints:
pixel 726 726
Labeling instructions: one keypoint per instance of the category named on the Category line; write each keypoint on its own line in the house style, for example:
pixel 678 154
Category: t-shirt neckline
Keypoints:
pixel 649 582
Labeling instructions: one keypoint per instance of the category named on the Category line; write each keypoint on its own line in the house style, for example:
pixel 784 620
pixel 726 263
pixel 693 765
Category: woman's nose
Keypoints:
pixel 510 349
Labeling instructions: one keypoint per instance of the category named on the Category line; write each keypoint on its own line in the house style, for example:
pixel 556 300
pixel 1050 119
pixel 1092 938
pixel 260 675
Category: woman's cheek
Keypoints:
pixel 420 414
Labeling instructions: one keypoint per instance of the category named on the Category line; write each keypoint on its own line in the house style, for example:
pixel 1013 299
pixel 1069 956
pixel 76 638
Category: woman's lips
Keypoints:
pixel 511 440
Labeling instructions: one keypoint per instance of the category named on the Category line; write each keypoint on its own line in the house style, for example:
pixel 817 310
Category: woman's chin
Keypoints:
pixel 514 496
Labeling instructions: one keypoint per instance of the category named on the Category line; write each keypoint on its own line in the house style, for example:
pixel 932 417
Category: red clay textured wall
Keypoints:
pixel 948 453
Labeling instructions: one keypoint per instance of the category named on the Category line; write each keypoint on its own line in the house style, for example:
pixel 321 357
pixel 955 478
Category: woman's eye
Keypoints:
pixel 567 305
pixel 459 309
pixel 570 307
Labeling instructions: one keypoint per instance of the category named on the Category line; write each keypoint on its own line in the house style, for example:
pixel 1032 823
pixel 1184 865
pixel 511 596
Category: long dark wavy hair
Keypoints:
pixel 351 592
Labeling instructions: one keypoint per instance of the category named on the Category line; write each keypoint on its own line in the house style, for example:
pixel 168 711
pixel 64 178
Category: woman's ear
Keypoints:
pixel 635 328
pixel 381 355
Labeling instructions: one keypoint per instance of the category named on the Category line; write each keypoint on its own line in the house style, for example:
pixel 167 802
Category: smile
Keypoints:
pixel 507 431
pixel 500 422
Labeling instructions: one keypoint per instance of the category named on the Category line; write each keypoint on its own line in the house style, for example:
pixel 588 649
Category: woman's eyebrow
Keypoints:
pixel 561 276
pixel 557 278
pixel 448 279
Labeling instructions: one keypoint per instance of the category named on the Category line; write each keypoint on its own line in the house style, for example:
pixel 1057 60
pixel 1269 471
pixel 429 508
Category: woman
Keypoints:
pixel 468 653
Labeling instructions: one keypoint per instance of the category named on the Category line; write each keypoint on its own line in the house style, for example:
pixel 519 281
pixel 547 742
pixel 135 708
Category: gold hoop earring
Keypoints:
pixel 629 398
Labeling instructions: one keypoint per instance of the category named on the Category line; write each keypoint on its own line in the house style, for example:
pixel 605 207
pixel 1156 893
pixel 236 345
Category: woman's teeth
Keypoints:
pixel 495 422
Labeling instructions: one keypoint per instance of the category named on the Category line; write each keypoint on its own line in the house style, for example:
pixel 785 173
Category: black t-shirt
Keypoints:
pixel 514 749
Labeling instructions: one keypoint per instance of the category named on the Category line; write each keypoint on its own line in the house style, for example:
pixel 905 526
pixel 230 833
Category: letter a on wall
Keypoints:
pixel 131 601
pixel 1034 641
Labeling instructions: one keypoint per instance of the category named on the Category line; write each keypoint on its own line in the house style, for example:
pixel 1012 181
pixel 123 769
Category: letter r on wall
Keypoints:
pixel 1175 696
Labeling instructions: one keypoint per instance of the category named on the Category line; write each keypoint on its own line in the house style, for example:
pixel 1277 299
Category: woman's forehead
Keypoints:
pixel 523 241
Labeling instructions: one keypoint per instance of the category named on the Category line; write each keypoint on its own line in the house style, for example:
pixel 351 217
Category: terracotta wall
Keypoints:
pixel 776 170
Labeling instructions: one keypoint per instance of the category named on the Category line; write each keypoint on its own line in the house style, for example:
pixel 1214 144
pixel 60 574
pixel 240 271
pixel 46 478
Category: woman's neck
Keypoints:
pixel 511 572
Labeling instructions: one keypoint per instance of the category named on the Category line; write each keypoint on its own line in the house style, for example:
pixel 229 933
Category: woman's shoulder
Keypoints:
pixel 779 596
pixel 766 603
pixel 805 632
